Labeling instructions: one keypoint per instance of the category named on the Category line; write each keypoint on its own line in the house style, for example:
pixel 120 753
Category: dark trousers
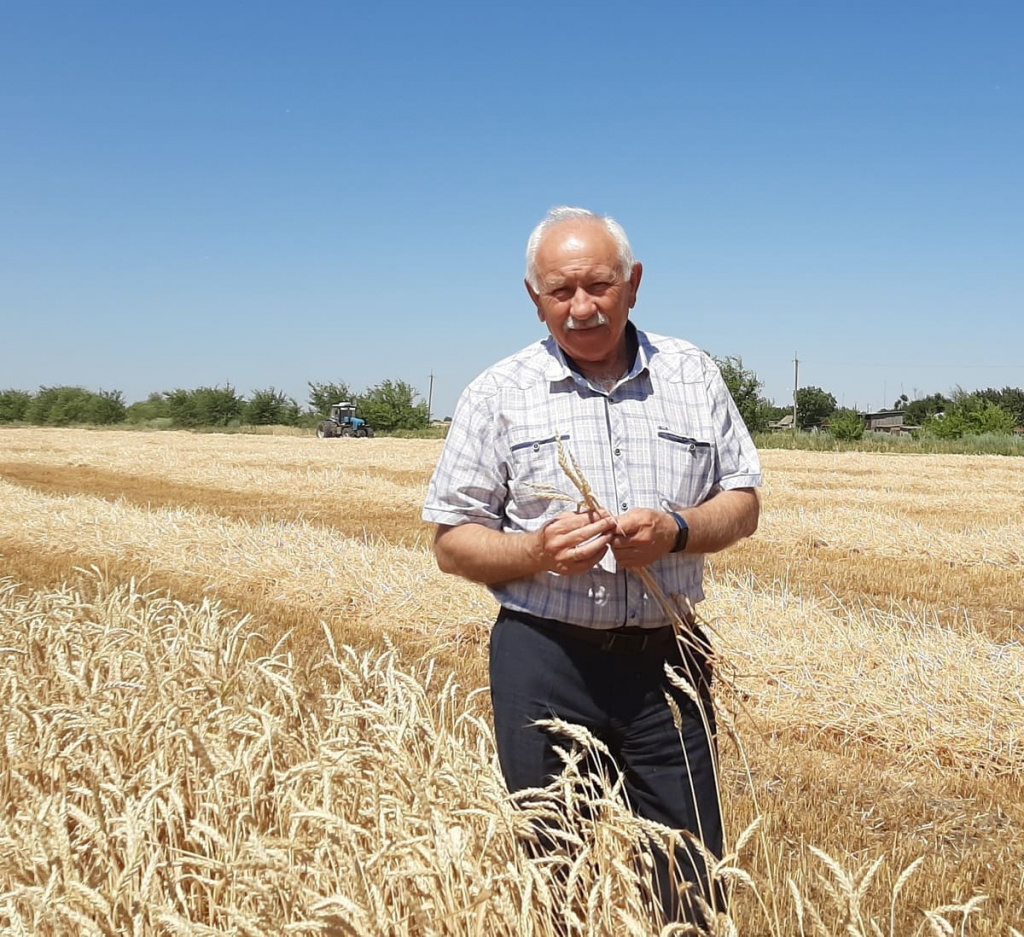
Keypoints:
pixel 537 671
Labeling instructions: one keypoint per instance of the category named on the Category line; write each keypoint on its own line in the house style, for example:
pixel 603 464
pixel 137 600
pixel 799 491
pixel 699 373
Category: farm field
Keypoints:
pixel 870 638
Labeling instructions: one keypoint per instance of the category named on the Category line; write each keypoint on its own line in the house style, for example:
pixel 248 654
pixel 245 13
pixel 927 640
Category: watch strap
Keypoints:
pixel 682 535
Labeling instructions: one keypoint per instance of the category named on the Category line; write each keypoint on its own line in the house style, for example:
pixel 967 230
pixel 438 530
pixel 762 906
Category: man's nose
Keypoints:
pixel 582 304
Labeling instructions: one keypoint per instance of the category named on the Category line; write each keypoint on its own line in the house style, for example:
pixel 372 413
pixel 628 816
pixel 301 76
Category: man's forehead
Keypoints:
pixel 570 242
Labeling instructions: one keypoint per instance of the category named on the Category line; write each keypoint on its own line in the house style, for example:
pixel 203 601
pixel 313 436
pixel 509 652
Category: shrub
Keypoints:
pixel 62 406
pixel 270 408
pixel 154 407
pixel 970 415
pixel 322 395
pixel 204 406
pixel 14 405
pixel 105 408
pixel 391 405
pixel 846 425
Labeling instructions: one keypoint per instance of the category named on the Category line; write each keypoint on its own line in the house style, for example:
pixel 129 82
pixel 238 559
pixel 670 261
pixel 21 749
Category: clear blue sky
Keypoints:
pixel 272 193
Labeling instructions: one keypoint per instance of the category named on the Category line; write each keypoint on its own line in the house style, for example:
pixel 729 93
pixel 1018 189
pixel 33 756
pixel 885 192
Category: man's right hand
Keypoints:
pixel 568 544
pixel 572 542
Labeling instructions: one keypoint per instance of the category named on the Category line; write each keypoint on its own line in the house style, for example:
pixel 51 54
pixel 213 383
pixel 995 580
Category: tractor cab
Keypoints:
pixel 343 422
pixel 343 412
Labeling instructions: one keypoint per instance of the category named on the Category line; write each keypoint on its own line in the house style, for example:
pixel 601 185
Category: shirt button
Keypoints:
pixel 625 506
pixel 618 452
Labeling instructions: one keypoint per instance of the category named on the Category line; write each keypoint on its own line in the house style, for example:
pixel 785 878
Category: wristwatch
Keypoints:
pixel 683 533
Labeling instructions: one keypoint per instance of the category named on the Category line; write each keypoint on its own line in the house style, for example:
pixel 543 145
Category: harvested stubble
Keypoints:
pixel 934 697
pixel 164 773
pixel 286 563
pixel 883 686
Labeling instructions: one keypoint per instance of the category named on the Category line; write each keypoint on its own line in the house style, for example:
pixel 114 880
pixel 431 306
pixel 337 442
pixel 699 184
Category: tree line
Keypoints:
pixel 962 413
pixel 396 405
pixel 387 406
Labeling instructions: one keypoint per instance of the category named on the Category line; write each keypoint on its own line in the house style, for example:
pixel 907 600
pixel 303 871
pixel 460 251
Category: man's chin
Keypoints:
pixel 585 352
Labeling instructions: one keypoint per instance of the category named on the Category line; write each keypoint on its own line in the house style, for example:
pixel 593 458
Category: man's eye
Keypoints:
pixel 599 287
pixel 561 294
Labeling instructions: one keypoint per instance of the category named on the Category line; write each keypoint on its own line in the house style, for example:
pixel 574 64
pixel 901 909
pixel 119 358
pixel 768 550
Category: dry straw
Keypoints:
pixel 164 772
pixel 915 705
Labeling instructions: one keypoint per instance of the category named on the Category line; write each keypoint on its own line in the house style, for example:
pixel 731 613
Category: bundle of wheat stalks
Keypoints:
pixel 166 772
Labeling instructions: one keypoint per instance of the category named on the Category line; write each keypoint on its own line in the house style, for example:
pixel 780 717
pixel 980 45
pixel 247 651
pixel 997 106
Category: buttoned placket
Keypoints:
pixel 624 494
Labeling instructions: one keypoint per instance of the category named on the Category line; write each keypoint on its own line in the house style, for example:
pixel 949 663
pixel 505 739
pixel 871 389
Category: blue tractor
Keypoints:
pixel 343 422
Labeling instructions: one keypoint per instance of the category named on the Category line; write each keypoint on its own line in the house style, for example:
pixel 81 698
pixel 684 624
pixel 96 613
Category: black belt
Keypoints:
pixel 627 640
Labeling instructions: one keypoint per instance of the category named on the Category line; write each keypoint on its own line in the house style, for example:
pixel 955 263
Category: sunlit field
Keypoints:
pixel 239 698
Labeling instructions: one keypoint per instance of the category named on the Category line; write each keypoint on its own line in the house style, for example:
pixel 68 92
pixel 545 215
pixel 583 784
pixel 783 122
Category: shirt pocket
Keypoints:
pixel 686 469
pixel 536 482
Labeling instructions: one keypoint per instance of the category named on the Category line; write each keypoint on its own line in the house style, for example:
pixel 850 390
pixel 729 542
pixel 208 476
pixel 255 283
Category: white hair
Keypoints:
pixel 565 213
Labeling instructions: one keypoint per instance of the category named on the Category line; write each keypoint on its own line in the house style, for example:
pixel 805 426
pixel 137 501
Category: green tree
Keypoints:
pixel 154 407
pixel 58 406
pixel 270 407
pixel 993 419
pixel 813 406
pixel 392 405
pixel 745 387
pixel 106 408
pixel 182 409
pixel 1010 399
pixel 846 424
pixel 946 424
pixel 204 406
pixel 969 415
pixel 62 406
pixel 917 411
pixel 322 395
pixel 14 405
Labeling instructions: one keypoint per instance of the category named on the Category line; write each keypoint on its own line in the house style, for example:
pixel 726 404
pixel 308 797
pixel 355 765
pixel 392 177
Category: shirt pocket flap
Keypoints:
pixel 538 487
pixel 686 469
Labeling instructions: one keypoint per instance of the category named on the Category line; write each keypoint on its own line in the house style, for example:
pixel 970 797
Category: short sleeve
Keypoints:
pixel 470 483
pixel 738 464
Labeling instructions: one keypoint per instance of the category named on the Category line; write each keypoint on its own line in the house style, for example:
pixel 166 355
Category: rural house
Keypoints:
pixel 888 421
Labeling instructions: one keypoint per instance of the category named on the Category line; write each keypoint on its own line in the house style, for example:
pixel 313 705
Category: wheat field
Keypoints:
pixel 240 699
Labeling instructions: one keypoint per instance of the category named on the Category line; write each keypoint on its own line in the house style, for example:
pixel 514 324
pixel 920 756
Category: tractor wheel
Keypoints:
pixel 369 432
pixel 323 430
pixel 346 431
pixel 363 432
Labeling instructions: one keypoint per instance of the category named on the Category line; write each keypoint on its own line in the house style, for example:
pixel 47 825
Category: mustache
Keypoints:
pixel 598 318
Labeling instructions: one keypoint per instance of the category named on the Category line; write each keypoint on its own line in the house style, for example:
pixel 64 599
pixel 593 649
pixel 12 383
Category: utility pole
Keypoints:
pixel 796 384
pixel 430 398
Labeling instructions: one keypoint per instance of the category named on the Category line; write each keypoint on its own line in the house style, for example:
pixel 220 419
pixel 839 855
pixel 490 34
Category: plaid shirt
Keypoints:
pixel 667 436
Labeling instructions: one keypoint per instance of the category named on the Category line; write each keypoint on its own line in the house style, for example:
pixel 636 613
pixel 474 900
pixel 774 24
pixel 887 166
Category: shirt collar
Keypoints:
pixel 557 367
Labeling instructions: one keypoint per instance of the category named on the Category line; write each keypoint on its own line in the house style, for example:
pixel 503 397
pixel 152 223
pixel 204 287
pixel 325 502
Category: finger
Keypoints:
pixel 601 525
pixel 596 544
pixel 568 522
pixel 589 553
pixel 627 525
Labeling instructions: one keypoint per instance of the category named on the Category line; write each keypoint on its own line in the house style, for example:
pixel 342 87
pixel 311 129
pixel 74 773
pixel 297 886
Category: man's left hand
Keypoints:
pixel 642 536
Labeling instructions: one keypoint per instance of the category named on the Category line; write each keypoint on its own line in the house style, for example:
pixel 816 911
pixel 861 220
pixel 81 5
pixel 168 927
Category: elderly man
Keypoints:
pixel 578 637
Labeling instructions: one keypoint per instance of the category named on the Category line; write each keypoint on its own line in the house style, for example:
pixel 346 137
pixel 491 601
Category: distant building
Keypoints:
pixel 783 425
pixel 888 421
